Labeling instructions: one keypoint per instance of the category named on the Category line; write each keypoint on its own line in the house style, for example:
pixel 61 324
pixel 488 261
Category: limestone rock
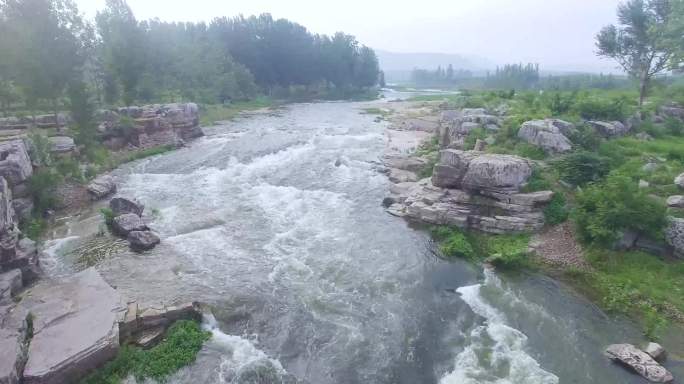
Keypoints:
pixel 679 181
pixel 143 240
pixel 6 207
pixel 15 163
pixel 656 351
pixel 10 284
pixel 401 176
pixel 640 362
pixel 454 125
pixel 675 201
pixel 609 129
pixel 120 205
pixel 12 355
pixel 101 187
pixel 23 209
pixel 673 110
pixel 674 235
pixel 61 144
pixel 643 136
pixel 75 328
pixel 547 135
pixel 496 172
pixel 127 223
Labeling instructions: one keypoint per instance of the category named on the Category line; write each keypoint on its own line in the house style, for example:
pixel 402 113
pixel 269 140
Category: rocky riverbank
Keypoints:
pixel 37 315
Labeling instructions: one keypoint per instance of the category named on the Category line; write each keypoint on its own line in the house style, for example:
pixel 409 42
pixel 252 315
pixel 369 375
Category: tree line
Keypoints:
pixel 50 51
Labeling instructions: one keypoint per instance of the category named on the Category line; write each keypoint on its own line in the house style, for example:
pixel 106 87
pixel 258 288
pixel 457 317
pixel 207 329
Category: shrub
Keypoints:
pixel 453 242
pixel 505 251
pixel 556 212
pixel 674 126
pixel 597 108
pixel 34 228
pixel 39 149
pixel 69 168
pixel 585 137
pixel 580 168
pixel 606 209
pixel 537 182
pixel 473 136
pixel 107 215
pixel 42 185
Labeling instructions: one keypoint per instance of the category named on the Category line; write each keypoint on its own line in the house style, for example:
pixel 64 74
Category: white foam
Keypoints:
pixel 507 362
pixel 50 257
pixel 239 353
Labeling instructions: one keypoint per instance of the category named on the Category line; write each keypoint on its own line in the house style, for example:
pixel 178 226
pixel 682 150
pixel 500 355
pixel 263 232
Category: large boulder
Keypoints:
pixel 127 223
pixel 75 327
pixel 673 110
pixel 15 163
pixel 61 144
pixel 674 235
pixel 10 284
pixel 101 187
pixel 639 361
pixel 120 205
pixel 676 201
pixel 547 134
pixel 609 129
pixel 679 181
pixel 476 171
pixel 143 240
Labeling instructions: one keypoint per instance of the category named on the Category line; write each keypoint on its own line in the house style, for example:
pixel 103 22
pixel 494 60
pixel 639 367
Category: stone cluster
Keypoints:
pixel 473 190
pixel 455 125
pixel 149 125
pixel 128 223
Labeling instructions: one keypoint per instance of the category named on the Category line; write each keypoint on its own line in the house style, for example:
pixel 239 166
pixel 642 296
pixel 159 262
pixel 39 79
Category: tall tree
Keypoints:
pixel 642 42
pixel 124 46
pixel 45 46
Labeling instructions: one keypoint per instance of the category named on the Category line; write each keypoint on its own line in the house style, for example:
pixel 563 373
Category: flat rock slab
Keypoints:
pixel 75 327
pixel 11 355
pixel 639 361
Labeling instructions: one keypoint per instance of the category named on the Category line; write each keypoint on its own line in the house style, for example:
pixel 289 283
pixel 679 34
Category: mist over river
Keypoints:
pixel 275 221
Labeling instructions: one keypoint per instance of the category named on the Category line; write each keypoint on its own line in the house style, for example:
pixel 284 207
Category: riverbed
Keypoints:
pixel 275 221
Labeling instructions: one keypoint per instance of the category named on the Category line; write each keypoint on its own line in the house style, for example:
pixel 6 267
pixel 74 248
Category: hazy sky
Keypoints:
pixel 558 34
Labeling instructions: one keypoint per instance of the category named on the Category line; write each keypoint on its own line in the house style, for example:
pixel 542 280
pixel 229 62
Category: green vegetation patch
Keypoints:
pixel 636 283
pixel 180 347
pixel 505 251
pixel 210 114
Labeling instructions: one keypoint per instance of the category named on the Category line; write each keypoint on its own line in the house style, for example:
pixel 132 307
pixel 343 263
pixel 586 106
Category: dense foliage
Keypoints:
pixel 48 47
pixel 607 209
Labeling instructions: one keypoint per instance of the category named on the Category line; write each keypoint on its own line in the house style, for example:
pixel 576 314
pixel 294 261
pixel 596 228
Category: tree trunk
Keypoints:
pixel 643 88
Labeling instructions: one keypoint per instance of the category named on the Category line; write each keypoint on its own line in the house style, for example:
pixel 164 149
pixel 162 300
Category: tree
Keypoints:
pixel 45 46
pixel 642 43
pixel 124 46
pixel 381 79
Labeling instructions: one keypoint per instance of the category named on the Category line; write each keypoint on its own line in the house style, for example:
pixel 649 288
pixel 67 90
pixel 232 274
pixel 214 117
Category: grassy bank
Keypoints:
pixel 178 349
pixel 212 113
pixel 607 187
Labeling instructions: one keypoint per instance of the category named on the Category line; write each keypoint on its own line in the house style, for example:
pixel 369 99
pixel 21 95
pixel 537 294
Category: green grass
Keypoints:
pixel 212 113
pixel 504 251
pixel 180 347
pixel 376 111
pixel 636 284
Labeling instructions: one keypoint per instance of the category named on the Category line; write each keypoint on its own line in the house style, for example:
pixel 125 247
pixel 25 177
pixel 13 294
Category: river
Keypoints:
pixel 275 221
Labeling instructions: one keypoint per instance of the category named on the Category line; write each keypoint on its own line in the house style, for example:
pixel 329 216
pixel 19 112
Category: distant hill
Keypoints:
pixel 398 65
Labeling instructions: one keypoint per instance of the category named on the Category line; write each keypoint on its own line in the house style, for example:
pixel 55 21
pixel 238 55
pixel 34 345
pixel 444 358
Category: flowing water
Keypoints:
pixel 275 221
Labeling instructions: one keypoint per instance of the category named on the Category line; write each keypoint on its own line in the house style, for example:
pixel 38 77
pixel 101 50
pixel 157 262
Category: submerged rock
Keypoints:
pixel 128 222
pixel 75 327
pixel 639 361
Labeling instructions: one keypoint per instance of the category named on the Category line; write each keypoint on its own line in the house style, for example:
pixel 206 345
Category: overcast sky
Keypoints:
pixel 558 34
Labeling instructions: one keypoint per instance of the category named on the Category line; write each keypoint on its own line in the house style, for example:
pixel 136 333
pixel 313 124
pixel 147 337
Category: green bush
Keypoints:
pixel 69 169
pixel 537 182
pixel 556 211
pixel 34 228
pixel 39 149
pixel 580 168
pixel 107 215
pixel 602 108
pixel 472 137
pixel 674 126
pixel 585 137
pixel 42 185
pixel 180 347
pixel 457 244
pixel 605 210
pixel 505 251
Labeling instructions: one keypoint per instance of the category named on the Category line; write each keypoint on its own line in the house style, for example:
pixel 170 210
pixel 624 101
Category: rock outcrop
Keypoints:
pixel 475 191
pixel 455 125
pixel 150 125
pixel 639 361
pixel 13 353
pixel 145 326
pixel 75 327
pixel 672 110
pixel 15 164
pixel 15 253
pixel 61 145
pixel 549 134
pixel 609 129
pixel 674 235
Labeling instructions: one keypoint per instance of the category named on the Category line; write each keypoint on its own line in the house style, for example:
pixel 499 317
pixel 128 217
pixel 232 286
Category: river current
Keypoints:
pixel 275 221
